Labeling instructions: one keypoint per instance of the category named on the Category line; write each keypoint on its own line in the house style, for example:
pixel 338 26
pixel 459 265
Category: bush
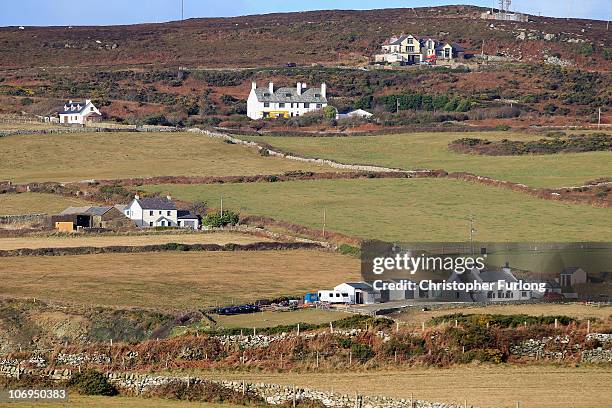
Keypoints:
pixel 217 220
pixel 157 120
pixel 92 382
pixel 27 101
pixel 489 355
pixel 362 352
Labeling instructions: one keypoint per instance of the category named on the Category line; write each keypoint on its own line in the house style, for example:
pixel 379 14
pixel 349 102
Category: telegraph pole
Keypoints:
pixel 182 9
pixel 599 118
pixel 397 105
pixel 324 219
pixel 222 206
pixel 472 231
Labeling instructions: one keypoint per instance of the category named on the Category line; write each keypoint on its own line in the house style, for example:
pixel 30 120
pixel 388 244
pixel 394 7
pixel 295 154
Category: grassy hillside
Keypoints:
pixel 36 203
pixel 74 157
pixel 174 280
pixel 408 209
pixel 272 39
pixel 430 151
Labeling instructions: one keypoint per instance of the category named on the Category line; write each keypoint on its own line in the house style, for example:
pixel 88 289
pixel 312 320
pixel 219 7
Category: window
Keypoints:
pixel 151 213
pixel 345 294
pixel 524 294
pixel 319 105
pixel 266 104
pixel 288 95
pixel 317 95
pixel 266 94
pixel 509 295
pixel 151 224
pixel 500 294
pixel 91 109
pixel 168 212
pixel 160 212
pixel 457 295
pixel 306 105
pixel 281 105
pixel 163 223
pixel 179 223
pixel 411 48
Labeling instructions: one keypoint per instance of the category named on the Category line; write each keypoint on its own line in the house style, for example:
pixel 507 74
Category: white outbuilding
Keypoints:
pixel 78 113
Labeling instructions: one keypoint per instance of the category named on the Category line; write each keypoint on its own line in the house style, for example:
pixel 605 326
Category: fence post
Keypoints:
pixel 588 326
pixel 556 323
pixel 331 327
pixel 243 387
pixel 294 397
pixel 350 357
pixel 254 332
pixel 395 358
pixel 281 361
pixel 456 323
pixel 396 327
pixel 298 329
pixel 422 326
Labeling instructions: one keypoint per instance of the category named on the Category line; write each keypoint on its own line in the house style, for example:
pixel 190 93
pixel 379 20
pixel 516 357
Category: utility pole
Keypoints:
pixel 182 9
pixel 222 206
pixel 324 219
pixel 397 105
pixel 472 231
pixel 599 119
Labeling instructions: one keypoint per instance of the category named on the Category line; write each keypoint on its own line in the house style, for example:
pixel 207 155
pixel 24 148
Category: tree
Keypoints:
pixel 329 112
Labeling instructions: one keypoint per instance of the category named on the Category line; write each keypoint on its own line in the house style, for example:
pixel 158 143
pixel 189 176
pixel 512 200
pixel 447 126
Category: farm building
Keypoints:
pixel 73 218
pixel 79 113
pixel 284 102
pixel 159 212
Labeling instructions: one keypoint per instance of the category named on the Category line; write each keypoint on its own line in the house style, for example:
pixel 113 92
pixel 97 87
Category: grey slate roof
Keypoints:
pixel 88 210
pixel 496 275
pixel 289 95
pixel 186 215
pixel 156 203
pixel 73 105
pixel 570 270
pixel 359 285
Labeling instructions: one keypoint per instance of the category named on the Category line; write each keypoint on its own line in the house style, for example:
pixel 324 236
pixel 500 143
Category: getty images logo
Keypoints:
pixel 412 264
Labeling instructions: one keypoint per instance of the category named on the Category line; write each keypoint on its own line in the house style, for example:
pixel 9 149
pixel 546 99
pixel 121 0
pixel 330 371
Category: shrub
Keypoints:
pixel 216 220
pixel 92 382
pixel 27 101
pixel 488 355
pixel 157 120
pixel 362 352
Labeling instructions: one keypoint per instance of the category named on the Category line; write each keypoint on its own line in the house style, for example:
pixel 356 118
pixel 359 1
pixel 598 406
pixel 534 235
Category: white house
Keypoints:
pixel 159 212
pixel 357 292
pixel 284 102
pixel 79 113
pixel 410 49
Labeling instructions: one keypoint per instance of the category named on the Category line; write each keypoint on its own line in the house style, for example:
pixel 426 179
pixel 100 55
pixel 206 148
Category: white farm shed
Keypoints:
pixel 357 292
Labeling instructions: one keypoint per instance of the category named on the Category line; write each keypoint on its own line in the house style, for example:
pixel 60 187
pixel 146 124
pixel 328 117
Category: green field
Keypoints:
pixel 84 156
pixel 430 151
pixel 409 209
pixel 36 203
pixel 272 319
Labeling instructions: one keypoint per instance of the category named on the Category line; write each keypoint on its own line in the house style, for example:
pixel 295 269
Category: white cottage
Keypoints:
pixel 159 212
pixel 79 113
pixel 284 102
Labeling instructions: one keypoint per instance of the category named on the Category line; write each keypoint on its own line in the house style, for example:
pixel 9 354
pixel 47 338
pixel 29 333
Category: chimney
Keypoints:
pixel 168 197
pixel 136 197
pixel 253 85
pixel 324 90
pixel 271 87
pixel 299 88
pixel 87 101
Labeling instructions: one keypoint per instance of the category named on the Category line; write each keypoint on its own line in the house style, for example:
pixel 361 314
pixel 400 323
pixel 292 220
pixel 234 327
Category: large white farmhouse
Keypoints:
pixel 79 113
pixel 159 212
pixel 284 102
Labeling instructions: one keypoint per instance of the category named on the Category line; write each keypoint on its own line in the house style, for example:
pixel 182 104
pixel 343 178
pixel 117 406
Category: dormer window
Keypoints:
pixel 288 95
pixel 266 94
pixel 317 95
